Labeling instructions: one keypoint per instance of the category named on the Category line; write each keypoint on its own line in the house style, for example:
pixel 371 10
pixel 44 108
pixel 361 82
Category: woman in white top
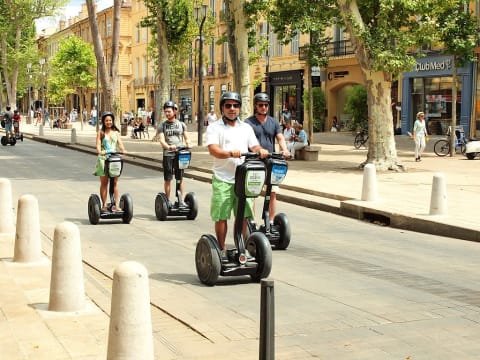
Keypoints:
pixel 289 132
pixel 419 133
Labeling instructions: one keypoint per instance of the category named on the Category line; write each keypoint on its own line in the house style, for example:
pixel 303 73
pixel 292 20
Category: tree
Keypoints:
pixel 72 69
pixel 17 45
pixel 238 39
pixel 109 76
pixel 457 30
pixel 171 28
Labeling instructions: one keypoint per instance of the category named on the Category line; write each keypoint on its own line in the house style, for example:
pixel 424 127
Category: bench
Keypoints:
pixel 308 153
pixel 67 126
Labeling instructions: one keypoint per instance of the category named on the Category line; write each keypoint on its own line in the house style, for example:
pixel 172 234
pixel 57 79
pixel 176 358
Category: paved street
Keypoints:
pixel 344 289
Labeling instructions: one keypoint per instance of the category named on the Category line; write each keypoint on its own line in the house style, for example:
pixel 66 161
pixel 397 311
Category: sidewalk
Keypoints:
pixel 334 182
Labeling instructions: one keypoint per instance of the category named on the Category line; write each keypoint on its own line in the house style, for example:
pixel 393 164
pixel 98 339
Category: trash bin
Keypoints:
pixel 124 129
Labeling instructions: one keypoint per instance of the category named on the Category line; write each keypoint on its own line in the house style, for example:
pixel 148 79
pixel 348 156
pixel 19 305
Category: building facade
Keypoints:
pixel 278 71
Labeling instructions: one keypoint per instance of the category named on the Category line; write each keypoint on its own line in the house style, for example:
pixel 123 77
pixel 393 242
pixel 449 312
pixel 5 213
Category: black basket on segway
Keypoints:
pixel 113 166
pixel 252 175
pixel 182 159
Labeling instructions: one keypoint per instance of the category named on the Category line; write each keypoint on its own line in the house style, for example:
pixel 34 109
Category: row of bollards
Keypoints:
pixel 130 331
pixel 438 198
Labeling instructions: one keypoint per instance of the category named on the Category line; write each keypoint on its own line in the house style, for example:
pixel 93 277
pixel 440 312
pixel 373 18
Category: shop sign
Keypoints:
pixel 434 65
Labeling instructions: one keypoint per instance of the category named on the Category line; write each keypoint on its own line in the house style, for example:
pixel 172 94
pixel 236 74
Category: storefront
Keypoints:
pixel 285 91
pixel 429 89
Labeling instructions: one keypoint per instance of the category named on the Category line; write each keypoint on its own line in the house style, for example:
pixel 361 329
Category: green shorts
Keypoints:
pixel 224 200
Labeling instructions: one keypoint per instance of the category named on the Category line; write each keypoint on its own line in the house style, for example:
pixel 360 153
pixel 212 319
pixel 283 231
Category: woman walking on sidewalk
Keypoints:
pixel 419 134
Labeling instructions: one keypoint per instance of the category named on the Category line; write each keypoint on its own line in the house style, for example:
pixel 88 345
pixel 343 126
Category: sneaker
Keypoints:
pixel 223 256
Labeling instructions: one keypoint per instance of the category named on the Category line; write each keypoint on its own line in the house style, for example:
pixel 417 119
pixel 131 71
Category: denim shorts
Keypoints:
pixel 224 200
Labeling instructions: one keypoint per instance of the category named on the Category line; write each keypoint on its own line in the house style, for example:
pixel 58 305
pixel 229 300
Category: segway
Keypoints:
pixel 249 180
pixel 187 207
pixel 16 130
pixel 278 233
pixel 113 169
pixel 8 140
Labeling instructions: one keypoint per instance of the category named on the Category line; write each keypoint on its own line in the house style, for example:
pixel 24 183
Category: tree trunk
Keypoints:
pixel 163 67
pixel 114 60
pixel 381 142
pixel 102 68
pixel 238 37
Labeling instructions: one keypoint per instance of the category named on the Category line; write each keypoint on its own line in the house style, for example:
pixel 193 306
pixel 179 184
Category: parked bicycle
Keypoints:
pixel 442 146
pixel 361 138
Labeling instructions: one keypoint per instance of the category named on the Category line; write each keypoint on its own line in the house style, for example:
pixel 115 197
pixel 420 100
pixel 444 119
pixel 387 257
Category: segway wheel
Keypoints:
pixel 207 260
pixel 263 255
pixel 21 137
pixel 191 201
pixel 281 221
pixel 94 206
pixel 161 206
pixel 13 141
pixel 471 156
pixel 4 141
pixel 126 204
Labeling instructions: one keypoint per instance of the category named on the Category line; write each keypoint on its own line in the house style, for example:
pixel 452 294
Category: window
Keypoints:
pixel 109 26
pixel 211 93
pixel 137 34
pixel 294 44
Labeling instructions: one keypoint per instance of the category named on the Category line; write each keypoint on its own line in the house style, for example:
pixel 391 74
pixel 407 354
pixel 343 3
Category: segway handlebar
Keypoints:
pixel 177 149
pixel 253 155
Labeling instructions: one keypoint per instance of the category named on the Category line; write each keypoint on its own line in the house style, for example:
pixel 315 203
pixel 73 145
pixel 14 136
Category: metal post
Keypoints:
pixel 267 321
pixel 200 18
pixel 29 69
pixel 42 108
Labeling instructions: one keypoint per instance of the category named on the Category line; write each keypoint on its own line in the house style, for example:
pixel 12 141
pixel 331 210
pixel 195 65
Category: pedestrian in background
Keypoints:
pixel 419 134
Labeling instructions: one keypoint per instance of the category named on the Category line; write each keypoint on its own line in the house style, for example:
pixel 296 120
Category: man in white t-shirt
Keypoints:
pixel 227 139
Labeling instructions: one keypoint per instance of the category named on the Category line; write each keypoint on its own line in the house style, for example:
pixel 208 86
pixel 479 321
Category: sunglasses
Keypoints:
pixel 229 106
pixel 262 105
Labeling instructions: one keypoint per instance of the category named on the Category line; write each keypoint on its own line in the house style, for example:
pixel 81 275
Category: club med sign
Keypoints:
pixel 434 65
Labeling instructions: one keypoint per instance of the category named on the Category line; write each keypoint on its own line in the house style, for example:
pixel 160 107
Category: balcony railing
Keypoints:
pixel 222 68
pixel 210 70
pixel 340 48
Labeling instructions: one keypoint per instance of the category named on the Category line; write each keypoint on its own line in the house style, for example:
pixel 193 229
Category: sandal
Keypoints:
pixel 116 208
pixel 104 209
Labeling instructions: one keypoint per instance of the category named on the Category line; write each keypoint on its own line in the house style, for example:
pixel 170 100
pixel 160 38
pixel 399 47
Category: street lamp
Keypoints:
pixel 42 108
pixel 29 69
pixel 200 17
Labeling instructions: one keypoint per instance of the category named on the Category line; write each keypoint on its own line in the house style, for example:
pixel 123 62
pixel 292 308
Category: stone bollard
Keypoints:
pixel 130 333
pixel 369 188
pixel 6 212
pixel 28 246
pixel 40 130
pixel 67 291
pixel 73 136
pixel 438 199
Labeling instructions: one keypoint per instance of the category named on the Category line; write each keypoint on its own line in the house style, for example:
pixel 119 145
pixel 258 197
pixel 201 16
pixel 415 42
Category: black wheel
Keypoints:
pixel 441 148
pixel 4 141
pixel 263 255
pixel 161 206
pixel 13 141
pixel 281 221
pixel 94 205
pixel 126 204
pixel 207 260
pixel 358 141
pixel 21 137
pixel 192 203
pixel 471 156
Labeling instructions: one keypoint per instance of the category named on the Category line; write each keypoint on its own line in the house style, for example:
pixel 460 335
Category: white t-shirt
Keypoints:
pixel 239 137
pixel 211 118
